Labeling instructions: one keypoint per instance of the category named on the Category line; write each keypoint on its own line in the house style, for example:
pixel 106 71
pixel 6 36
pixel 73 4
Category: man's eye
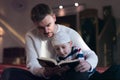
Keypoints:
pixel 48 25
pixel 57 49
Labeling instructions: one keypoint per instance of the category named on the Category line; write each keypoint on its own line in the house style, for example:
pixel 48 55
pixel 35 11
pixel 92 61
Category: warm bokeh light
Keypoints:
pixel 61 12
pixel 12 31
pixel 1 31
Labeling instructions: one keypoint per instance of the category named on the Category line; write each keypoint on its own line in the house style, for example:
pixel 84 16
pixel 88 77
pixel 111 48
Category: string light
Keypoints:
pixel 76 4
pixel 60 7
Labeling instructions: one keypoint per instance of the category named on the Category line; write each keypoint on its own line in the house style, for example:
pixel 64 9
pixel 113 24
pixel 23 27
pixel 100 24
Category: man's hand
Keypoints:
pixel 51 71
pixel 63 69
pixel 83 66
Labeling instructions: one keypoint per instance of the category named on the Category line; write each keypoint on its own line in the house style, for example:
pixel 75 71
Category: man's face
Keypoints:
pixel 47 26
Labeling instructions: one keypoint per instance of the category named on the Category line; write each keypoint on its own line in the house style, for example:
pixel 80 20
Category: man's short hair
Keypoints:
pixel 39 12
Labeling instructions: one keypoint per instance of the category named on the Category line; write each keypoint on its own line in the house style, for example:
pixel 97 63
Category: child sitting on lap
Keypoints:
pixel 66 51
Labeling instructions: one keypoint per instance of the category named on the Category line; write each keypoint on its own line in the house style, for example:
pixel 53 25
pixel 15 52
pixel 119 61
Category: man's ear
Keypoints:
pixel 54 16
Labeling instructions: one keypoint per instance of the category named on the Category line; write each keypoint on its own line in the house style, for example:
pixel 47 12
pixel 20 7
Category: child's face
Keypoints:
pixel 63 50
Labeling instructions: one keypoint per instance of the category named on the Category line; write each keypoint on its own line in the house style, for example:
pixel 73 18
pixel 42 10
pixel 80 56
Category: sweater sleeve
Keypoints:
pixel 91 56
pixel 31 56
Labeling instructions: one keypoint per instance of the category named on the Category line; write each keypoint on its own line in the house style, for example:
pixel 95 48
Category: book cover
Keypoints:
pixel 47 62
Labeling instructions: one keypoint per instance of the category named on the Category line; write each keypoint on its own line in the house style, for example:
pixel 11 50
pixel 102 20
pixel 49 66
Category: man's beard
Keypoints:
pixel 50 34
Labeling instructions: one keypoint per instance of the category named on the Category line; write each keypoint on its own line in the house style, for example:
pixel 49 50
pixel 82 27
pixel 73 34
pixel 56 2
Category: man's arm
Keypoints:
pixel 91 58
pixel 31 55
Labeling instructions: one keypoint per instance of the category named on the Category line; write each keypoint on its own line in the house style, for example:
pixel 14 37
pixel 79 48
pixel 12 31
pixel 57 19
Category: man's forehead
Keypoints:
pixel 44 22
pixel 41 24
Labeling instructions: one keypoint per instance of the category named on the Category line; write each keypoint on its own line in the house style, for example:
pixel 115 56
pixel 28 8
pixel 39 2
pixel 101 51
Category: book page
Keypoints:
pixel 71 63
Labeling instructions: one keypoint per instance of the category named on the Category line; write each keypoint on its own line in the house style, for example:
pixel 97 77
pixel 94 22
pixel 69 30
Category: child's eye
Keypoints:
pixel 57 49
pixel 63 47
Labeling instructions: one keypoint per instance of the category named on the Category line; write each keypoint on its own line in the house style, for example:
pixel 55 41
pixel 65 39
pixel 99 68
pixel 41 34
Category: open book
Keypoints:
pixel 47 62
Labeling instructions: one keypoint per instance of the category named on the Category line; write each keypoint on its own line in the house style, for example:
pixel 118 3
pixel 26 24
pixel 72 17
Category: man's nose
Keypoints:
pixel 46 29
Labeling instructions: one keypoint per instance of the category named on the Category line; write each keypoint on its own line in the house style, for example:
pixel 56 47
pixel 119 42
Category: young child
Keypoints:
pixel 66 51
pixel 64 48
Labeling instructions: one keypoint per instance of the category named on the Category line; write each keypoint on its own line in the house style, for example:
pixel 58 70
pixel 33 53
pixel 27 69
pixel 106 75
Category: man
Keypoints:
pixel 38 45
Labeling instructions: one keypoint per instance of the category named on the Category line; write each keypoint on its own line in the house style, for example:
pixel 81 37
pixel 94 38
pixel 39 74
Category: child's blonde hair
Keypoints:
pixel 60 38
